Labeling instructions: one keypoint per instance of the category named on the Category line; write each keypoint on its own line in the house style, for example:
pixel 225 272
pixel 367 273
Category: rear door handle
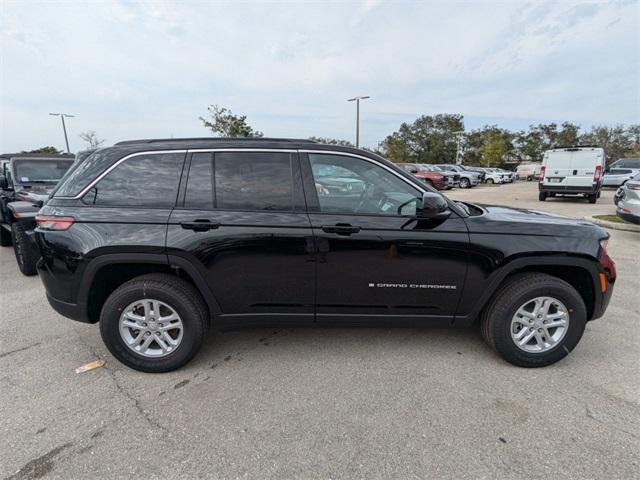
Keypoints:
pixel 340 229
pixel 200 225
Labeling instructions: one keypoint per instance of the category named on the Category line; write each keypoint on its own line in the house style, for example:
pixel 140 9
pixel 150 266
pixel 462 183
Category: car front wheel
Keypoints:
pixel 154 323
pixel 535 320
pixel 465 183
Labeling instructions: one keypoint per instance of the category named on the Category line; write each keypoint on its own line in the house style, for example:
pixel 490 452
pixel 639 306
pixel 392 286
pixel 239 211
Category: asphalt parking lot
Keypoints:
pixel 325 403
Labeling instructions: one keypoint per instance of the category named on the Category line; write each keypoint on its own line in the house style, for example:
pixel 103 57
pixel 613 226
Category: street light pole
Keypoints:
pixel 64 127
pixel 357 100
pixel 458 134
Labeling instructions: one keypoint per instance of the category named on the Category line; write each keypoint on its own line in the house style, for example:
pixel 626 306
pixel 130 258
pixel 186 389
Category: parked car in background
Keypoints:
pixel 507 175
pixel 529 171
pixel 453 178
pixel 26 181
pixel 633 163
pixel 614 177
pixel 572 171
pixel 479 170
pixel 468 179
pixel 627 200
pixel 493 176
pixel 159 240
pixel 437 180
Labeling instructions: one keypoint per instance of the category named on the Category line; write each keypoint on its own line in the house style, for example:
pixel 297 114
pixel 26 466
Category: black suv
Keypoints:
pixel 26 180
pixel 154 238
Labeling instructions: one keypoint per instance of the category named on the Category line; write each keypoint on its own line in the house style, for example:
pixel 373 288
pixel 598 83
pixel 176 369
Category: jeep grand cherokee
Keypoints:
pixel 156 239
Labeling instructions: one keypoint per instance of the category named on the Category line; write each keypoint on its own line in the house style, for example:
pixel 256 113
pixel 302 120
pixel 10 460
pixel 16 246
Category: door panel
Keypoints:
pixel 258 263
pixel 392 267
pixel 374 264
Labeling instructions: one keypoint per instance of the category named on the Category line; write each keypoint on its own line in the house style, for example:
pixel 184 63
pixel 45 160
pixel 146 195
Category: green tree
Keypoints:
pixel 331 141
pixel 617 141
pixel 224 123
pixel 429 139
pixel 531 145
pixel 47 150
pixel 496 146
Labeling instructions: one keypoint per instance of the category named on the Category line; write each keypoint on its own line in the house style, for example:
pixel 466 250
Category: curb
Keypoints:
pixel 626 227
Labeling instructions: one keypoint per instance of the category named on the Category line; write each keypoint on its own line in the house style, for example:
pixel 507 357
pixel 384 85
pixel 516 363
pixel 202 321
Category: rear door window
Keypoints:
pixel 149 180
pixel 254 181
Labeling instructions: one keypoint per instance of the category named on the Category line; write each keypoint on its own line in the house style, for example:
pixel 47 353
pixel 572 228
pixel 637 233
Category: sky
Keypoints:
pixel 149 69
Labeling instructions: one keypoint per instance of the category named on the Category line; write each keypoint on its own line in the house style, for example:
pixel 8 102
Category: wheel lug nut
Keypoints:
pixel 147 334
pixel 531 329
pixel 144 324
pixel 540 330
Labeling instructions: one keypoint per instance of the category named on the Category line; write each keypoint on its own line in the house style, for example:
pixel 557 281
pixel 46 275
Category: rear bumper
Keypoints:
pixel 569 189
pixel 629 217
pixel 69 310
pixel 74 311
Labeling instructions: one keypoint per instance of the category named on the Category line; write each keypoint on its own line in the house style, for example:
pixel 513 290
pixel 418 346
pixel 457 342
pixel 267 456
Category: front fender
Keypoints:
pixel 477 294
pixel 22 210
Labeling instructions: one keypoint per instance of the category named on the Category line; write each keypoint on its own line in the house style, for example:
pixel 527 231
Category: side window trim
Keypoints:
pixel 103 175
pixel 113 166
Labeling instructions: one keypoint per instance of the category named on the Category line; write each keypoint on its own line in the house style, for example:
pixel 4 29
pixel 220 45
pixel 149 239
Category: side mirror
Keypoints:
pixel 3 182
pixel 434 206
pixel 607 169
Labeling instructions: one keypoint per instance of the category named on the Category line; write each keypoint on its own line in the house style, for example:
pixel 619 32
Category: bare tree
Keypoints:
pixel 91 138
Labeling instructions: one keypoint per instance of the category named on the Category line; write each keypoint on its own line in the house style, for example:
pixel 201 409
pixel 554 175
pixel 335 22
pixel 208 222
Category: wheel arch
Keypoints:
pixel 580 273
pixel 107 272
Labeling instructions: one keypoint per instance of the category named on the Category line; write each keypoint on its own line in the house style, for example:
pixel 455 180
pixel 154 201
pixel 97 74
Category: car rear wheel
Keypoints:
pixel 5 237
pixel 593 198
pixel 154 323
pixel 490 181
pixel 529 178
pixel 542 196
pixel 27 253
pixel 534 320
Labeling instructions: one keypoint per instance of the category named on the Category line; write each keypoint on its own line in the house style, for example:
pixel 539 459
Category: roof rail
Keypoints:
pixel 215 139
pixel 576 146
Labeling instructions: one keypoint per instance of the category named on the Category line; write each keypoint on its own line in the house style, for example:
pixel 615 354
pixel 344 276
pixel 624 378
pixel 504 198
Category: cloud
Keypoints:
pixel 145 69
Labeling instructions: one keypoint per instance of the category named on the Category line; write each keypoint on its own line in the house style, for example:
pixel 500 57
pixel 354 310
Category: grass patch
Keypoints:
pixel 611 218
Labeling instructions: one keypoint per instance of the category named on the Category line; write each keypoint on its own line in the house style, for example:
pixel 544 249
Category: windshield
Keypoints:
pixel 40 171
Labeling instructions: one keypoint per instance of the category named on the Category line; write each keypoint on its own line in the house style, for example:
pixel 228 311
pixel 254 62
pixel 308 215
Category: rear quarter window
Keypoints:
pixel 146 180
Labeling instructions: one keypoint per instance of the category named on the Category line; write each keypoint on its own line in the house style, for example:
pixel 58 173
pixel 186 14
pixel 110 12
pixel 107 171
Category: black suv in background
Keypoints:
pixel 156 238
pixel 26 180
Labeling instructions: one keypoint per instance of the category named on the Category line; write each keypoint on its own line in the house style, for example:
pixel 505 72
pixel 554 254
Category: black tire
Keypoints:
pixel 5 237
pixel 465 183
pixel 496 318
pixel 175 292
pixel 598 194
pixel 593 198
pixel 490 181
pixel 542 196
pixel 529 179
pixel 27 253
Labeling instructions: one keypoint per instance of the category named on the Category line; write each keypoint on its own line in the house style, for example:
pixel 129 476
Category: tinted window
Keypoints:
pixel 619 171
pixel 199 194
pixel 49 171
pixel 142 181
pixel 253 181
pixel 352 185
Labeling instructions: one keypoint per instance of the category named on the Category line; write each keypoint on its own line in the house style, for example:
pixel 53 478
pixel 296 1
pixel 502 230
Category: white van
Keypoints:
pixel 528 171
pixel 572 171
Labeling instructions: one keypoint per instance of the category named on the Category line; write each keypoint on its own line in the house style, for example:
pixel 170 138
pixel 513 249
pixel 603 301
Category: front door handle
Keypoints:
pixel 200 225
pixel 340 229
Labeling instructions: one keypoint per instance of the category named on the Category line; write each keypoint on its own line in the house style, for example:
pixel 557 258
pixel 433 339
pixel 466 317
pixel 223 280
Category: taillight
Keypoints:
pixel 608 265
pixel 597 174
pixel 542 169
pixel 54 223
pixel 633 186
